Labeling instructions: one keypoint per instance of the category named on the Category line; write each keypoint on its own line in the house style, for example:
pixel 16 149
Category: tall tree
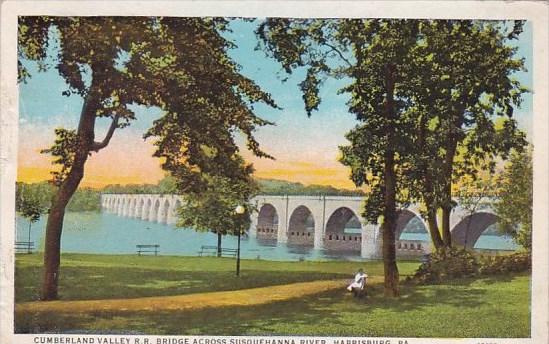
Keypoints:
pixel 514 205
pixel 464 83
pixel 179 65
pixel 434 84
pixel 375 55
pixel 380 145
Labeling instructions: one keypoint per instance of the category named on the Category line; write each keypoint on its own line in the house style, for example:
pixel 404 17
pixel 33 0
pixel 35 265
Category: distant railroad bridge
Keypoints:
pixel 322 222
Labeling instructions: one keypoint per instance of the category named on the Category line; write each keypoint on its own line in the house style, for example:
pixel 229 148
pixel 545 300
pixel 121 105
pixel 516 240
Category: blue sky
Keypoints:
pixel 305 148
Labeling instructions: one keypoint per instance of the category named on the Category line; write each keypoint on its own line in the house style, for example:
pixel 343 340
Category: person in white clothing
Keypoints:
pixel 357 286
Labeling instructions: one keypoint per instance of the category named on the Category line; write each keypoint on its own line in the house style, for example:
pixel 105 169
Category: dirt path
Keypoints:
pixel 243 297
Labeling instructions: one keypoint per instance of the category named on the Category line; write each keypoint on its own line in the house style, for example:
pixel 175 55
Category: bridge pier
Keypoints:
pixel 252 232
pixel 282 234
pixel 370 246
pixel 319 236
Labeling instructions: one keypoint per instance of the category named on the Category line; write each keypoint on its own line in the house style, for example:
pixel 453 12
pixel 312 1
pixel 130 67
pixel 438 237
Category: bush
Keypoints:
pixel 447 264
pixel 516 262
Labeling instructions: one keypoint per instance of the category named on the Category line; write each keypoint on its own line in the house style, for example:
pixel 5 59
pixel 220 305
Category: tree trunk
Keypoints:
pixel 29 242
pixel 389 211
pixel 446 233
pixel 389 226
pixel 454 126
pixel 431 206
pixel 219 244
pixel 447 189
pixel 433 228
pixel 62 197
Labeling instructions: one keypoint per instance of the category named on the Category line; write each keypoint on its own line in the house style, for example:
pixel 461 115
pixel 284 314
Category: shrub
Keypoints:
pixel 516 262
pixel 446 264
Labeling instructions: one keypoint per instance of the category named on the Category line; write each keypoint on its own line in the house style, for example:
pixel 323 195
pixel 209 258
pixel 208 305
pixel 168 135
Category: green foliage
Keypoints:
pixel 282 187
pixel 516 262
pixel 451 80
pixel 369 53
pixel 131 189
pixel 28 203
pixel 207 101
pixel 213 207
pixel 380 71
pixel 446 264
pixel 41 192
pixel 181 66
pixel 514 205
pixel 90 48
pixel 463 85
pixel 84 199
pixel 166 185
pixel 452 263
pixel 63 149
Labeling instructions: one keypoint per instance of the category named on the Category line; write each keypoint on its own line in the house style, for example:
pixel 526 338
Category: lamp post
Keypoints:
pixel 239 211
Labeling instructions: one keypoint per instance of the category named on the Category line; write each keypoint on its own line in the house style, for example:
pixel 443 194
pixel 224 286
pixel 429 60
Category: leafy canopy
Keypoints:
pixel 179 65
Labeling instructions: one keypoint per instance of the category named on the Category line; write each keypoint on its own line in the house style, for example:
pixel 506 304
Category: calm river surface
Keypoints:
pixel 106 233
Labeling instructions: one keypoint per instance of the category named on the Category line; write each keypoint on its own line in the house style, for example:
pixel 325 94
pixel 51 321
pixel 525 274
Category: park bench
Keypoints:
pixel 24 247
pixel 212 251
pixel 148 249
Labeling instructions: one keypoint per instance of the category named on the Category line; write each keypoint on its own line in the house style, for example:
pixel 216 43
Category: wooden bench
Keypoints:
pixel 212 251
pixel 148 249
pixel 24 247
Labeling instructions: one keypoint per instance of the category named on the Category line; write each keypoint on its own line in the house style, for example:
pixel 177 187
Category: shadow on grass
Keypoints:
pixel 116 282
pixel 419 297
pixel 239 320
pixel 324 313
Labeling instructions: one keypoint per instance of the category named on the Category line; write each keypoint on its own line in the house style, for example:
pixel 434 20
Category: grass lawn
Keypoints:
pixel 492 307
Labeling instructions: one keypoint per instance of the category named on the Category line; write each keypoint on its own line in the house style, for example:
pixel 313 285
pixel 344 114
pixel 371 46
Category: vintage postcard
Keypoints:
pixel 275 172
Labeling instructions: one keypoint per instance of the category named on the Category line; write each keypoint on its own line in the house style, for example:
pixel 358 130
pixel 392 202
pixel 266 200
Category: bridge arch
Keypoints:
pixel 164 211
pixel 123 206
pixel 155 210
pixel 301 227
pixel 267 222
pixel 139 208
pixel 405 217
pixel 131 212
pixel 470 228
pixel 120 208
pixel 343 230
pixel 147 209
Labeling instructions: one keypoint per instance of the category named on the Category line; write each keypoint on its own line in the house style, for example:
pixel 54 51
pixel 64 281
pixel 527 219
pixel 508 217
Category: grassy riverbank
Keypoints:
pixel 493 307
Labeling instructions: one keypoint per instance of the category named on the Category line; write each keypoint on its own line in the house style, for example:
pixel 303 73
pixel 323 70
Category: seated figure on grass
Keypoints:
pixel 358 287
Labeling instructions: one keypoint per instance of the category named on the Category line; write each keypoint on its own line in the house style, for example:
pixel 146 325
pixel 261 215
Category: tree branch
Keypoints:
pixel 339 53
pixel 96 146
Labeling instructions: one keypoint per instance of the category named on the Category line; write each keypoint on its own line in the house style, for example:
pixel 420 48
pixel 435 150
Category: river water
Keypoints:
pixel 106 233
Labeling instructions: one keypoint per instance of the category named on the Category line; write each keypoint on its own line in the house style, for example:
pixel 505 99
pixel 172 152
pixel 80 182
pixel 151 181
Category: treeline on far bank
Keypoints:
pixel 89 199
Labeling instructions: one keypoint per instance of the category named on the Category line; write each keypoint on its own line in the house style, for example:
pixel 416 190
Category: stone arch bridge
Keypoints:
pixel 322 222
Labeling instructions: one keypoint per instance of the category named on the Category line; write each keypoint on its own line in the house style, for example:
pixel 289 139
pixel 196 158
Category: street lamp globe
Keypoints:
pixel 240 210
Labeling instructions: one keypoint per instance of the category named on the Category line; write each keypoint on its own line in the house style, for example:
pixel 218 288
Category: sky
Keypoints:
pixel 305 149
